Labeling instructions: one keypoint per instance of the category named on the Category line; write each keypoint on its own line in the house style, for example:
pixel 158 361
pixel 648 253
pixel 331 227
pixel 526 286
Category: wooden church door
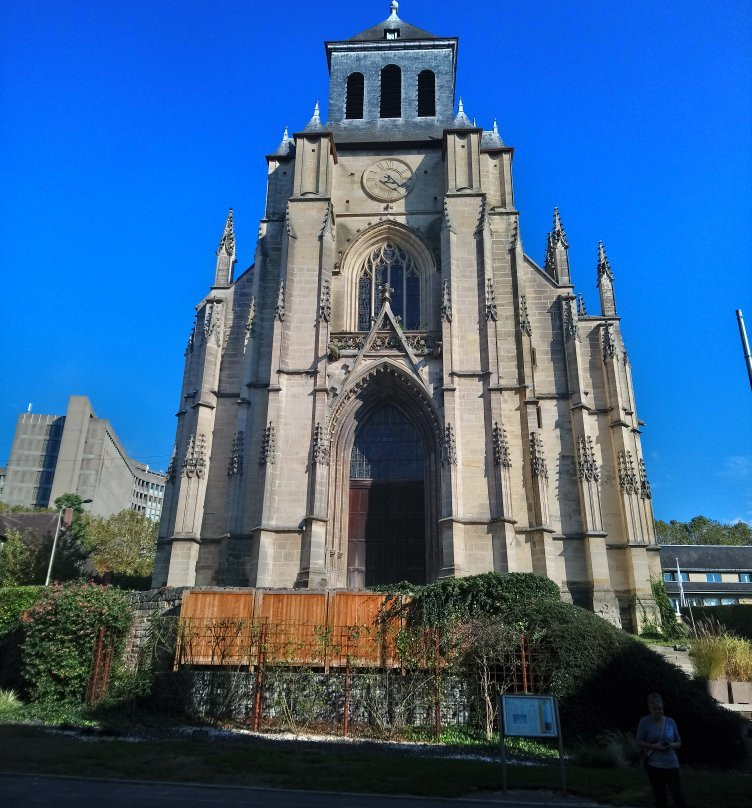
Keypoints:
pixel 386 530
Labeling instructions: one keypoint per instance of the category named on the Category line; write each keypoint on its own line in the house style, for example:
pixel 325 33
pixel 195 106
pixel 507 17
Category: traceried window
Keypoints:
pixel 387 447
pixel 389 265
pixel 354 96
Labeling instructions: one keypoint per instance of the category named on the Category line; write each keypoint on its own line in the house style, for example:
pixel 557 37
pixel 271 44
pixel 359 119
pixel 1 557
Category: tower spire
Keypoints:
pixel 315 123
pixel 286 146
pixel 226 254
pixel 557 257
pixel 461 119
pixel 606 283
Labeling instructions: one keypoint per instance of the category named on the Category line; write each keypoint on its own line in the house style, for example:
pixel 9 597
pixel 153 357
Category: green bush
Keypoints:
pixel 14 601
pixel 736 619
pixel 60 638
pixel 9 704
pixel 603 676
pixel 490 594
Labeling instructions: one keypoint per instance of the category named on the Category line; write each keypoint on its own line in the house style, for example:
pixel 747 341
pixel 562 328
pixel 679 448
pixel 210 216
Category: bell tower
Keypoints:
pixel 392 80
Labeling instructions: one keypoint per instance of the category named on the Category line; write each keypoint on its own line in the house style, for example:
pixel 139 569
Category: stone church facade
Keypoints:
pixel 394 389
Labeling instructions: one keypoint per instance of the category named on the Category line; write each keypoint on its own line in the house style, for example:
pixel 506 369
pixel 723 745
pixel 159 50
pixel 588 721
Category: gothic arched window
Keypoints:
pixel 389 265
pixel 391 92
pixel 354 96
pixel 387 447
pixel 426 94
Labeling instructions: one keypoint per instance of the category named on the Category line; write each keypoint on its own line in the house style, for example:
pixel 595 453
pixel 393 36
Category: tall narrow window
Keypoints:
pixel 354 96
pixel 391 92
pixel 426 94
pixel 392 266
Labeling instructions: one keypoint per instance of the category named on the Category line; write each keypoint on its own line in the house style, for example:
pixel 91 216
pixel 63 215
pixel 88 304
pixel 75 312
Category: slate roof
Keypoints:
pixel 705 557
pixel 378 32
pixel 35 527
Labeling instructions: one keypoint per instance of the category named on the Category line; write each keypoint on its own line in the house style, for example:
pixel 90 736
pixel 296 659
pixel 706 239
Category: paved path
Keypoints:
pixel 22 790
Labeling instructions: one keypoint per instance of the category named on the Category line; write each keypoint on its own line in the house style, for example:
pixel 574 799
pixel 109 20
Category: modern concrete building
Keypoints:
pixel 395 389
pixel 711 575
pixel 77 453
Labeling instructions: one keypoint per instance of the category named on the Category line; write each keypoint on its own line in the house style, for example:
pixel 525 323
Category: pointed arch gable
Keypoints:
pixel 381 380
pixel 381 383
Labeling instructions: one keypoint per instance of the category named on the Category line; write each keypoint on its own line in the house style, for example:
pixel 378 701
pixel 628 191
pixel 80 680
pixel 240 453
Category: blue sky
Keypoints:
pixel 128 129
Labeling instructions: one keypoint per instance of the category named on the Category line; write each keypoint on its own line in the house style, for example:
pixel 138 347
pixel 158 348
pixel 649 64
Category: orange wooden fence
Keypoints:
pixel 256 626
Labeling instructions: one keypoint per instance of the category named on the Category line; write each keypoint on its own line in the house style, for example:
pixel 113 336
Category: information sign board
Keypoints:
pixel 529 716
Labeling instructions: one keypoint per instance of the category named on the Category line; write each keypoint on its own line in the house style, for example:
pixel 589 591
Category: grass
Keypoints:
pixel 10 705
pixel 358 767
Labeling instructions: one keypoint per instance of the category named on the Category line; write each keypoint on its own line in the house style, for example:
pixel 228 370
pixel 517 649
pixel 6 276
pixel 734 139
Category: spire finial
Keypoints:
pixel 315 123
pixel 557 222
pixel 227 242
pixel 604 265
pixel 461 108
pixel 495 128
pixel 393 6
pixel 225 254
pixel 285 136
pixel 605 283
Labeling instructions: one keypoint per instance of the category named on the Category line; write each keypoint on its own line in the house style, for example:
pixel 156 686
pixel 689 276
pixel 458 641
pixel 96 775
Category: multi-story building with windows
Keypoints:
pixel 77 453
pixel 709 575
pixel 396 389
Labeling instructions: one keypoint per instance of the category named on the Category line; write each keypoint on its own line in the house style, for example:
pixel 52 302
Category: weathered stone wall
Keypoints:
pixel 165 601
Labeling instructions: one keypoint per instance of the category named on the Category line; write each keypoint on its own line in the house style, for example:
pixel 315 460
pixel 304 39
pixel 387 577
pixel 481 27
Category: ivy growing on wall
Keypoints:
pixel 450 599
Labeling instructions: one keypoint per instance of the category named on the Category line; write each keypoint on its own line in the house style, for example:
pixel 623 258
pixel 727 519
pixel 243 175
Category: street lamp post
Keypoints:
pixel 54 541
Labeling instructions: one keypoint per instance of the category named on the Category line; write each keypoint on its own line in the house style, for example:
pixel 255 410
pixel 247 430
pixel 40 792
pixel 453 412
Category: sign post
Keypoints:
pixel 530 716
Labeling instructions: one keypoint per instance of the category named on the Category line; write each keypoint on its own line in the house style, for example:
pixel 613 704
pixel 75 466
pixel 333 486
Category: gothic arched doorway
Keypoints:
pixel 387 523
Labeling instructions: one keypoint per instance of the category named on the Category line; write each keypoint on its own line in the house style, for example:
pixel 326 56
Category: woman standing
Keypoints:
pixel 658 738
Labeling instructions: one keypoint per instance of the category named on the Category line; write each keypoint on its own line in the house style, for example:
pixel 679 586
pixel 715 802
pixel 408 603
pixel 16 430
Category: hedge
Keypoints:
pixel 60 638
pixel 14 601
pixel 737 619
pixel 489 594
pixel 601 674
pixel 603 677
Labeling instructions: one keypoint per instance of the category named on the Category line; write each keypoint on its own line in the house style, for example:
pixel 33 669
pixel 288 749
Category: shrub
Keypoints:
pixel 9 704
pixel 489 594
pixel 708 656
pixel 603 676
pixel 14 601
pixel 735 619
pixel 739 659
pixel 718 655
pixel 60 635
pixel 611 750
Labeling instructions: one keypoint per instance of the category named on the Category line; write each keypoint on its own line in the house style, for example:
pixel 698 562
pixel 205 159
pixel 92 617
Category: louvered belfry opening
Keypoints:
pixel 391 92
pixel 426 94
pixel 354 96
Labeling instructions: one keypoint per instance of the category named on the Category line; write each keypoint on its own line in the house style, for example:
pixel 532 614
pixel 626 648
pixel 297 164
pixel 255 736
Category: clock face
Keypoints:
pixel 388 180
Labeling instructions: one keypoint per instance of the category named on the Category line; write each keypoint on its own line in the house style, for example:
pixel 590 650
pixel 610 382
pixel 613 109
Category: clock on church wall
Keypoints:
pixel 388 180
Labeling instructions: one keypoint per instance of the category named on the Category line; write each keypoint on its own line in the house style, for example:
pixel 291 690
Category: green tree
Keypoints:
pixel 123 543
pixel 701 530
pixel 79 527
pixel 17 561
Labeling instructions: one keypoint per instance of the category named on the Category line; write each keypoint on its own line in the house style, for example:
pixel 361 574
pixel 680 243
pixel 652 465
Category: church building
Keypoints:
pixel 394 390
